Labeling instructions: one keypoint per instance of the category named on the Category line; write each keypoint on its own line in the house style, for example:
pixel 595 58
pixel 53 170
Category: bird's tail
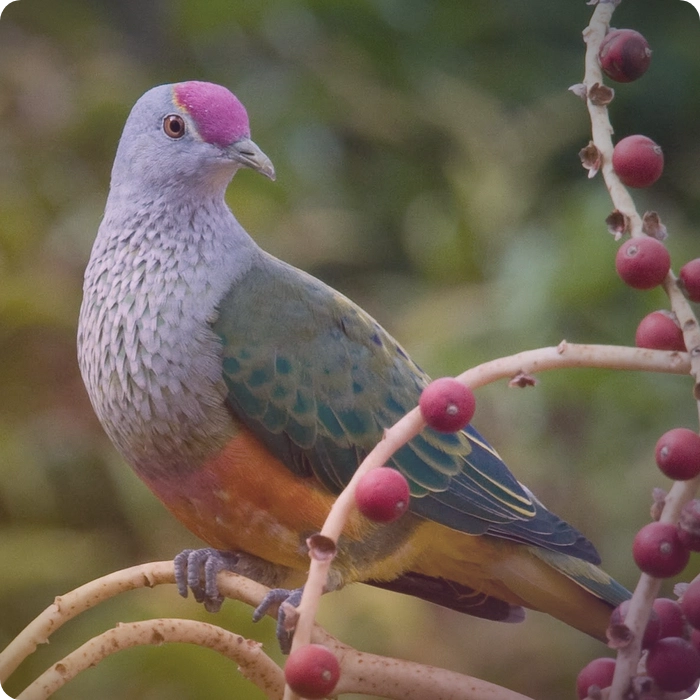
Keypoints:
pixel 458 566
pixel 570 589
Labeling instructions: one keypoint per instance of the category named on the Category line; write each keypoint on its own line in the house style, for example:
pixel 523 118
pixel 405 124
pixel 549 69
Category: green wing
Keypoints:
pixel 318 380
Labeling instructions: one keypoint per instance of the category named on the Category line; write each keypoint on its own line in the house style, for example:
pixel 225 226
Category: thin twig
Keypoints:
pixel 688 322
pixel 601 127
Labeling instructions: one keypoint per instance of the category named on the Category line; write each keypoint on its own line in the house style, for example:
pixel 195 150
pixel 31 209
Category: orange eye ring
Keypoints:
pixel 174 126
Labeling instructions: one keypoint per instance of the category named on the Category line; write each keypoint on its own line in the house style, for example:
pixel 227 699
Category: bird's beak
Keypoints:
pixel 247 153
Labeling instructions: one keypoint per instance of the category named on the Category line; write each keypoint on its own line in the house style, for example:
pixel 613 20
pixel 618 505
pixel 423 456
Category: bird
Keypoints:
pixel 245 392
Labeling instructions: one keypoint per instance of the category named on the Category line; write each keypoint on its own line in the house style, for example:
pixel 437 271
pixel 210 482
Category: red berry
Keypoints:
pixel 690 278
pixel 678 454
pixel 382 494
pixel 673 663
pixel 671 618
pixel 689 526
pixel 447 405
pixel 690 604
pixel 659 330
pixel 624 55
pixel 642 262
pixel 598 672
pixel 312 671
pixel 658 552
pixel 695 638
pixel 652 629
pixel 638 161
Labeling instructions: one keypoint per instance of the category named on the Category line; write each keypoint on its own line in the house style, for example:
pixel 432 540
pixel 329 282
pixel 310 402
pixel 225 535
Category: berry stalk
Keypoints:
pixel 601 153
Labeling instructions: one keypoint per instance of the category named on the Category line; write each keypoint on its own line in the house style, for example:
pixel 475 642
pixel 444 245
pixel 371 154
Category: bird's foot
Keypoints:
pixel 196 570
pixel 288 600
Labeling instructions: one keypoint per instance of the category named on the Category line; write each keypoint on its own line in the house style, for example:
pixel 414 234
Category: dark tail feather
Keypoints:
pixel 455 596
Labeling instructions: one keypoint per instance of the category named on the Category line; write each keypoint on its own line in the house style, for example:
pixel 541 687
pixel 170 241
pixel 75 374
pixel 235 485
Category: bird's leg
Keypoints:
pixel 288 600
pixel 196 570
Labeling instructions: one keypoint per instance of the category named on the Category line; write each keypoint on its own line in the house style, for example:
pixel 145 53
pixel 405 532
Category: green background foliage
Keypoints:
pixel 427 167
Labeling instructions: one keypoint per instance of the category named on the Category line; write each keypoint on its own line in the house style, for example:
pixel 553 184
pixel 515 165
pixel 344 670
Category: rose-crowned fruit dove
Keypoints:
pixel 245 393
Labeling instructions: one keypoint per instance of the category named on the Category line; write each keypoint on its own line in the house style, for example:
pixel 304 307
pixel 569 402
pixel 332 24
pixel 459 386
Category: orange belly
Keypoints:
pixel 244 499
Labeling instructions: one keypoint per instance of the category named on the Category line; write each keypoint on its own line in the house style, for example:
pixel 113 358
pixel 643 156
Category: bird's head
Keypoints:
pixel 187 135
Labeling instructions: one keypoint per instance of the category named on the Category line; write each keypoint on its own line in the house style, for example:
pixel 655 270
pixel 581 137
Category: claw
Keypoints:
pixel 196 570
pixel 286 599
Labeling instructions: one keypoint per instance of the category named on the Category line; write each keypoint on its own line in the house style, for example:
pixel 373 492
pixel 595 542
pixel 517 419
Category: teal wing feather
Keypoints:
pixel 318 380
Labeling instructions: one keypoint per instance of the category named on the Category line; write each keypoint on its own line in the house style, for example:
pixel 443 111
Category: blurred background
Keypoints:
pixel 427 167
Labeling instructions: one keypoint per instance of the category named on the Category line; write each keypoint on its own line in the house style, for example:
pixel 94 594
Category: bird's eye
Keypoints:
pixel 174 126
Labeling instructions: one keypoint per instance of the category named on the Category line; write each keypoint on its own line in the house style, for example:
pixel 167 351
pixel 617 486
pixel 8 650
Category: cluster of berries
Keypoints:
pixel 672 643
pixel 382 495
pixel 663 549
pixel 643 262
pixel 672 635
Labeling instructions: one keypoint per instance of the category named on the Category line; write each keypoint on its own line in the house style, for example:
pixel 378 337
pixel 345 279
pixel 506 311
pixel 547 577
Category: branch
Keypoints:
pixel 253 663
pixel 389 678
pixel 68 606
pixel 361 673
